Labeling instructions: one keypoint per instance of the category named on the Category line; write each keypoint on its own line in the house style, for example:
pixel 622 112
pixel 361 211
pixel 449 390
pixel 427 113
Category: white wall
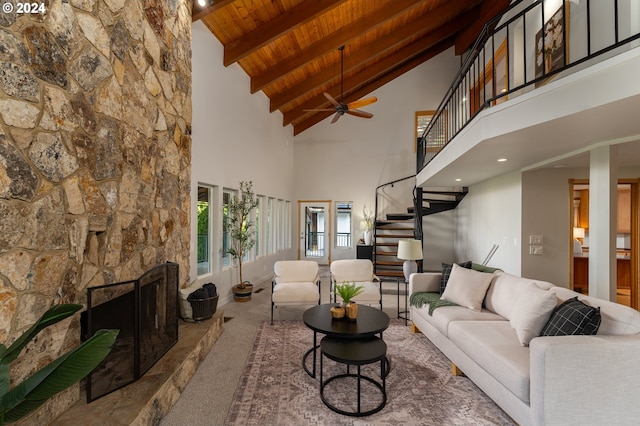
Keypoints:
pixel 347 160
pixel 491 214
pixel 546 211
pixel 235 138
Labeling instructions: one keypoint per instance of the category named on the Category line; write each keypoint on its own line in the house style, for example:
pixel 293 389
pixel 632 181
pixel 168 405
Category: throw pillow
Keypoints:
pixel 573 317
pixel 467 287
pixel 446 273
pixel 531 311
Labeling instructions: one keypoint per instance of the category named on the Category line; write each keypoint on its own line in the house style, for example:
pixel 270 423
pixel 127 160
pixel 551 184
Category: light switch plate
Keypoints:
pixel 537 250
pixel 535 239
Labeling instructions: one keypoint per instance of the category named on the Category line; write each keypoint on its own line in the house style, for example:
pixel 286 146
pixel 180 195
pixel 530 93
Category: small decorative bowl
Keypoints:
pixel 337 312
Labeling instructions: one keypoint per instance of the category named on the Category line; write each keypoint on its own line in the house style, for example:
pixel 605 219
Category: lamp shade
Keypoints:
pixel 578 232
pixel 410 249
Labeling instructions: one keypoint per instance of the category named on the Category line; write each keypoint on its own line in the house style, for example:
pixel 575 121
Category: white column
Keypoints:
pixel 603 197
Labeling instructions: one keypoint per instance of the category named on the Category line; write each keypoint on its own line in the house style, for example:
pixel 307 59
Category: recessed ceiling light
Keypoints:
pixel 501 160
pixel 201 3
pixel 458 180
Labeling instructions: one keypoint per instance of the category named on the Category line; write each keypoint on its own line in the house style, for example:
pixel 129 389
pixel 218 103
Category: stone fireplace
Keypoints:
pixel 95 159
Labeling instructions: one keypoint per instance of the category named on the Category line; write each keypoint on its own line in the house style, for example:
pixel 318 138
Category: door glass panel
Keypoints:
pixel 314 231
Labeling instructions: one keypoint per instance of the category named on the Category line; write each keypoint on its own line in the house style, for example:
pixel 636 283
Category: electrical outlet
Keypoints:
pixel 537 250
pixel 535 239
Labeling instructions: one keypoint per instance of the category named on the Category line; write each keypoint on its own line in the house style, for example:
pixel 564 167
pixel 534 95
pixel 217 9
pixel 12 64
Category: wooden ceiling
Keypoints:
pixel 289 48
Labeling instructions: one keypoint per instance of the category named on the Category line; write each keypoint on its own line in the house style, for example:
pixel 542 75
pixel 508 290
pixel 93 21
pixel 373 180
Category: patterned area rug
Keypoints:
pixel 275 390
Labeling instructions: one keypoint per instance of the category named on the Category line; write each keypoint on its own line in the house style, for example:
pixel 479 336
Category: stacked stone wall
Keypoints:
pixel 95 154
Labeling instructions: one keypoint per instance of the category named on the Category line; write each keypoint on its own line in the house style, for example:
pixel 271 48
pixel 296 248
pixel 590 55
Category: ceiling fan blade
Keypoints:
pixel 319 109
pixel 362 102
pixel 331 99
pixel 336 117
pixel 359 113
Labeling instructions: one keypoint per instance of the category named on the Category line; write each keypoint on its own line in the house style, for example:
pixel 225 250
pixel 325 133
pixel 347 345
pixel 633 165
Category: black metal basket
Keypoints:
pixel 204 308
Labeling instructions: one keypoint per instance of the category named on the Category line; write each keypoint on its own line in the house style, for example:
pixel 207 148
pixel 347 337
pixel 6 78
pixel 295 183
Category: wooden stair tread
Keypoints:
pixel 390 274
pixel 389 263
pixel 407 235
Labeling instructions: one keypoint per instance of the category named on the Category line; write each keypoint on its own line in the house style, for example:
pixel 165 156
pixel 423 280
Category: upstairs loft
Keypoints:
pixel 515 100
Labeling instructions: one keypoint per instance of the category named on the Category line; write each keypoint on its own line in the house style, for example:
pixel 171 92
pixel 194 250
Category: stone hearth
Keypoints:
pixel 146 401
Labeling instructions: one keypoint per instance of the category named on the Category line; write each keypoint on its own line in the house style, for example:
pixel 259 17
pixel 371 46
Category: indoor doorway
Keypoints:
pixel 314 229
pixel 627 259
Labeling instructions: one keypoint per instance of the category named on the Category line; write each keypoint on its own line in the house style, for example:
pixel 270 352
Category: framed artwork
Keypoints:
pixel 550 49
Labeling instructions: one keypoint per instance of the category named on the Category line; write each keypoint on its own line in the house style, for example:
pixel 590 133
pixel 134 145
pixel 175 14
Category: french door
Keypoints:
pixel 314 229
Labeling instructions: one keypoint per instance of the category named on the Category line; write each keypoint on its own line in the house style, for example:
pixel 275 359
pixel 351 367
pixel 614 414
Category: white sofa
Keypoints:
pixel 556 380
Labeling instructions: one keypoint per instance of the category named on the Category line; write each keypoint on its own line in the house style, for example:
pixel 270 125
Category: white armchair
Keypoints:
pixel 359 271
pixel 296 282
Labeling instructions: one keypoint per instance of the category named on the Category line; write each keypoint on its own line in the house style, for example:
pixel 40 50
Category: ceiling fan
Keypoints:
pixel 342 108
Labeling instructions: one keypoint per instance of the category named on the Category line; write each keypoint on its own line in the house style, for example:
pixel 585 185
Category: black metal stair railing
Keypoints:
pixel 378 213
pixel 520 49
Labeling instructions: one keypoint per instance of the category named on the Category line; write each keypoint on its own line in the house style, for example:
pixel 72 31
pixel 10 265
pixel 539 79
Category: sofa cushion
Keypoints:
pixel 446 273
pixel 494 346
pixel 531 312
pixel 505 290
pixel 467 287
pixel 444 315
pixel 572 317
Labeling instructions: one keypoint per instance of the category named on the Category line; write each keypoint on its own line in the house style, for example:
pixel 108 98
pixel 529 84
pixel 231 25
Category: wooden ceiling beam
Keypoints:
pixel 365 90
pixel 276 28
pixel 328 44
pixel 414 28
pixel 369 74
pixel 198 13
pixel 488 10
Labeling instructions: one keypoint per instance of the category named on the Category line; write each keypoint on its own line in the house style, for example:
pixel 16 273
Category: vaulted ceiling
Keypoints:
pixel 290 48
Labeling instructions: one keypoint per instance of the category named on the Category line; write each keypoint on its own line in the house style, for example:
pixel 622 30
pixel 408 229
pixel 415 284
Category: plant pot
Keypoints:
pixel 337 312
pixel 351 309
pixel 242 292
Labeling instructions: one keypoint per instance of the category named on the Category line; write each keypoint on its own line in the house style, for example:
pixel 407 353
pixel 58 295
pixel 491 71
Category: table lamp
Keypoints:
pixel 578 235
pixel 409 251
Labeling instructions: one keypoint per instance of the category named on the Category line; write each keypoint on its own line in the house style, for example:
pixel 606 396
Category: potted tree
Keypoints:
pixel 240 227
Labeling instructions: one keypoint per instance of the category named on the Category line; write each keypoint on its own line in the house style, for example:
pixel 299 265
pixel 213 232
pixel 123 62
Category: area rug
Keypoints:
pixel 275 390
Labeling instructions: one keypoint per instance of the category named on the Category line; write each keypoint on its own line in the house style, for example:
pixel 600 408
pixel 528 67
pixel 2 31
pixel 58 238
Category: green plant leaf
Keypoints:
pixel 4 380
pixel 57 376
pixel 55 314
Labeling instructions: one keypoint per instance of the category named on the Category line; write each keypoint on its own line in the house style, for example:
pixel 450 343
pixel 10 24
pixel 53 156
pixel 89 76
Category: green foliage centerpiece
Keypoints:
pixel 241 228
pixel 55 377
pixel 347 292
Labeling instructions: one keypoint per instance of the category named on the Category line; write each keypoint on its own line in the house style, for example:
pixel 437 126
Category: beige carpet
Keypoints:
pixel 275 390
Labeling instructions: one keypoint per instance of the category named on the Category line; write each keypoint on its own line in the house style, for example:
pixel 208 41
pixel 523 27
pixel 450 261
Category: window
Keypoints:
pixel 226 238
pixel 287 223
pixel 271 224
pixel 204 230
pixel 343 224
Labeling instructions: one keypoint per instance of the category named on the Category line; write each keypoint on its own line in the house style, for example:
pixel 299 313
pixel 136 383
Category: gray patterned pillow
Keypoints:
pixel 573 317
pixel 446 273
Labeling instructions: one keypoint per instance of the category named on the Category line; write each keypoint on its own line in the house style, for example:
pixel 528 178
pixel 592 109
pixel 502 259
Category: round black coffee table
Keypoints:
pixel 370 322
pixel 355 352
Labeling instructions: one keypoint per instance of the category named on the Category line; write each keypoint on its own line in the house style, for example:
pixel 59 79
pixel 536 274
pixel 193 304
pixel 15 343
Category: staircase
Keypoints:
pixel 394 226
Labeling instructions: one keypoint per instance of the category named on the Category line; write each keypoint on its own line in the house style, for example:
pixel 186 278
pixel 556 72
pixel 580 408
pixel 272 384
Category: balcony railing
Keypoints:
pixel 520 50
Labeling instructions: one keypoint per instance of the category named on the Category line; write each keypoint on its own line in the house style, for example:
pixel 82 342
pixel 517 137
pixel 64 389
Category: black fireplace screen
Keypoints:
pixel 146 313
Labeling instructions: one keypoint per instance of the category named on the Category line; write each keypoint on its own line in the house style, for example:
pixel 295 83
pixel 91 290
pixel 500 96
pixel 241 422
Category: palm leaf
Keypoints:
pixel 55 314
pixel 57 376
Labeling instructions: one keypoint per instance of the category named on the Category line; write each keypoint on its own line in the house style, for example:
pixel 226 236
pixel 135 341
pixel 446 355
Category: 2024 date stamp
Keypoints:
pixel 34 8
